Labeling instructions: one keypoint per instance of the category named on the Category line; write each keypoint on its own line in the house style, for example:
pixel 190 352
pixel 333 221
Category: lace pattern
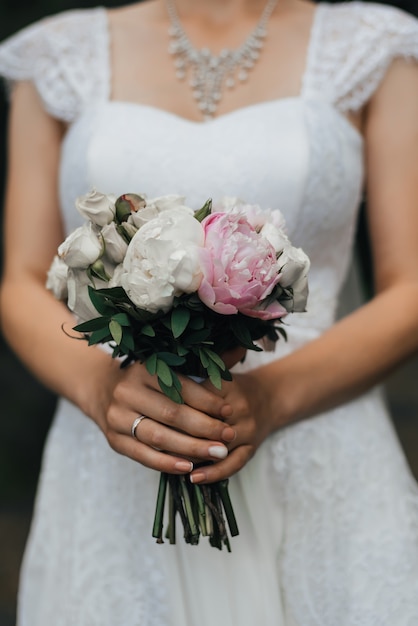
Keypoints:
pixel 66 56
pixel 352 46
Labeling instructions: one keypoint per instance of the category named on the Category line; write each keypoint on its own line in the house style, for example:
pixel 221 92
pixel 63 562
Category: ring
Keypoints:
pixel 135 425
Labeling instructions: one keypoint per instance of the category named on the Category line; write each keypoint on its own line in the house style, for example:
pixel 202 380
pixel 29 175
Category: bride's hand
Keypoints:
pixel 171 433
pixel 251 419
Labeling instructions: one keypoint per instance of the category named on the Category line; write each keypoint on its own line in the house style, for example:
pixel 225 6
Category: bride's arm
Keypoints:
pixel 32 319
pixel 362 349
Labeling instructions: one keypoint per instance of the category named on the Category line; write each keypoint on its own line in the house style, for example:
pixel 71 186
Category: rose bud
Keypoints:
pixel 128 203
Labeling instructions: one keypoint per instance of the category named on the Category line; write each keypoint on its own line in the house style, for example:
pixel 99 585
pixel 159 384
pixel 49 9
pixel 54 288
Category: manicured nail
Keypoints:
pixel 184 466
pixel 197 477
pixel 218 452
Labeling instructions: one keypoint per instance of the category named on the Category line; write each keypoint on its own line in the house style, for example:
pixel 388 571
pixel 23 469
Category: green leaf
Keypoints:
pixel 214 375
pixel 117 294
pixel 151 364
pixel 181 350
pixel 115 330
pixel 179 319
pixel 164 372
pixel 94 324
pixel 216 359
pixel 204 211
pixel 204 359
pixel 171 392
pixel 226 375
pixel 148 330
pixel 127 339
pixel 100 303
pixel 171 359
pixel 122 318
pixel 99 336
pixel 176 381
pixel 196 337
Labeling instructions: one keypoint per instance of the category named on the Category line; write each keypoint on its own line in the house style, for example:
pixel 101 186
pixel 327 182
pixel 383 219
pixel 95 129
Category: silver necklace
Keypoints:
pixel 210 73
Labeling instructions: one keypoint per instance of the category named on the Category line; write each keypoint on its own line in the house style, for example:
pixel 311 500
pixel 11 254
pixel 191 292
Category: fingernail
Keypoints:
pixel 218 452
pixel 228 434
pixel 184 466
pixel 197 477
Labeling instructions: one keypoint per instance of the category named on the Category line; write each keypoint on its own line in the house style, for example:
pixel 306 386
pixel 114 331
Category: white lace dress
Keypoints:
pixel 327 509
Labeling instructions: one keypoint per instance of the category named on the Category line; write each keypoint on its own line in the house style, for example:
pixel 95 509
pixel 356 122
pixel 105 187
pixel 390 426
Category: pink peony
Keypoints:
pixel 239 268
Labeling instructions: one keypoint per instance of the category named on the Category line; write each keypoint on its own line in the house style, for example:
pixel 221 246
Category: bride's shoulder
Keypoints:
pixel 354 44
pixel 65 23
pixel 369 17
pixel 59 53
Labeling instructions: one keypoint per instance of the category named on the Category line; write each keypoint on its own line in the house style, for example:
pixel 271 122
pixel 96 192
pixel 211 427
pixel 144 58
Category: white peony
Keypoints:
pixel 155 206
pixel 162 260
pixel 78 296
pixel 57 278
pixel 116 279
pixel 115 245
pixel 81 248
pixel 294 275
pixel 97 207
pixel 275 236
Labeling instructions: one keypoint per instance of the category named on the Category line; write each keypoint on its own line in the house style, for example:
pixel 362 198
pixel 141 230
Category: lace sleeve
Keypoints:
pixel 354 45
pixel 65 56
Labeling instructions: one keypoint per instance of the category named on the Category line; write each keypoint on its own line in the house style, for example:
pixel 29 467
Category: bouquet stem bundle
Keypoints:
pixel 204 510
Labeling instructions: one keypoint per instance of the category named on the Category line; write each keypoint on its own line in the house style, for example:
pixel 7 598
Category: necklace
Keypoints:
pixel 210 73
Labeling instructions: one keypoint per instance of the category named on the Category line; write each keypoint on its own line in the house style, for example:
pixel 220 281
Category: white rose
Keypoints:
pixel 129 228
pixel 97 207
pixel 57 278
pixel 275 236
pixel 81 248
pixel 78 296
pixel 162 260
pixel 155 206
pixel 294 274
pixel 116 279
pixel 227 204
pixel 115 245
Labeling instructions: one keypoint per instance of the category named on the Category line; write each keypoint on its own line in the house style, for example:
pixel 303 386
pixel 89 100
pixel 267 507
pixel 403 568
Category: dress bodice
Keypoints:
pixel 299 154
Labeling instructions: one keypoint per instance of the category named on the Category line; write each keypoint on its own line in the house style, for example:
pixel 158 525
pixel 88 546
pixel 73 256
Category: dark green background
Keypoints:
pixel 26 408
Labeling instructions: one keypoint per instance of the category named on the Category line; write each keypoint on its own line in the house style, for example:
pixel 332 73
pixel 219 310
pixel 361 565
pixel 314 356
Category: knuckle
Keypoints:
pixel 112 420
pixel 169 414
pixel 156 438
pixel 119 392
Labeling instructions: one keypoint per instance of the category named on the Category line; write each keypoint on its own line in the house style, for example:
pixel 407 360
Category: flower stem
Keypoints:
pixel 194 531
pixel 229 511
pixel 171 517
pixel 201 510
pixel 157 530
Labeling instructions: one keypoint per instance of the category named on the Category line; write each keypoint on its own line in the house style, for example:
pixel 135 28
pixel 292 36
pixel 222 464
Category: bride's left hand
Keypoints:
pixel 251 418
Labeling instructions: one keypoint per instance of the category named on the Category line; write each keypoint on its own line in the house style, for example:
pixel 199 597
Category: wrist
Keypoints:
pixel 275 395
pixel 97 382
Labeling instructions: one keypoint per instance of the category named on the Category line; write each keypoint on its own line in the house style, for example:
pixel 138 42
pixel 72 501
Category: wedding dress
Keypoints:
pixel 327 509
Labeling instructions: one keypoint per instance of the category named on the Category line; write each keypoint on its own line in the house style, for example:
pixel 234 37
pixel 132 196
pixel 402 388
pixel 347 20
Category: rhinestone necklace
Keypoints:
pixel 210 73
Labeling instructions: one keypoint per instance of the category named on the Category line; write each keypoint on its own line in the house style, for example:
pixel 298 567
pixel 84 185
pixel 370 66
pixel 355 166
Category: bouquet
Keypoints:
pixel 176 289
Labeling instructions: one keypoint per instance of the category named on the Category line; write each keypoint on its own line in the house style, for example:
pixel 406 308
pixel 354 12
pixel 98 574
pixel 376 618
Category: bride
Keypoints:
pixel 322 108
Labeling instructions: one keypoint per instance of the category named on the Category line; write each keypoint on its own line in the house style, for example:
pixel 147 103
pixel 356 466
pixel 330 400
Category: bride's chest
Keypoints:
pixel 273 154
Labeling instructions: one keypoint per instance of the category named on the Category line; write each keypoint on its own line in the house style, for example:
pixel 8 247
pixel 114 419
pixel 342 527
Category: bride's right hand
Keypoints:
pixel 172 435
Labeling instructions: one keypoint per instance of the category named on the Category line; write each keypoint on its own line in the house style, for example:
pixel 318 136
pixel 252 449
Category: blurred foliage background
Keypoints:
pixel 26 408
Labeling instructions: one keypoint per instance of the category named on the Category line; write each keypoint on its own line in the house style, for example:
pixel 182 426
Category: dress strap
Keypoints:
pixel 352 46
pixel 67 58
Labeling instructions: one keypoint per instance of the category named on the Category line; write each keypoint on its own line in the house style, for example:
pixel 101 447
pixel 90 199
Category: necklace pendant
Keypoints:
pixel 211 73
